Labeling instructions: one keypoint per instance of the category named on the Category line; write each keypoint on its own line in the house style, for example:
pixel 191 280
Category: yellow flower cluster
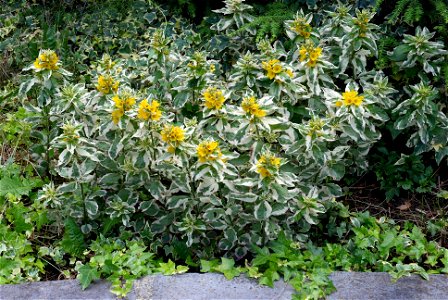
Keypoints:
pixel 361 22
pixel 47 59
pixel 302 28
pixel 272 68
pixel 173 136
pixel 106 84
pixel 250 106
pixel 310 53
pixel 315 127
pixel 350 98
pixel 148 111
pixel 213 98
pixel 123 103
pixel 267 165
pixel 208 151
pixel 107 62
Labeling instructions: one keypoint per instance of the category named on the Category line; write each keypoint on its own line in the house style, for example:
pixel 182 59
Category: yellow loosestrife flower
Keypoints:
pixel 267 165
pixel 310 53
pixel 123 103
pixel 213 98
pixel 272 68
pixel 149 111
pixel 116 115
pixel 47 60
pixel 302 28
pixel 250 106
pixel 208 151
pixel 107 84
pixel 173 136
pixel 350 98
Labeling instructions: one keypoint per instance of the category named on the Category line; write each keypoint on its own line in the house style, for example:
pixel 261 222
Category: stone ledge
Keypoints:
pixel 350 285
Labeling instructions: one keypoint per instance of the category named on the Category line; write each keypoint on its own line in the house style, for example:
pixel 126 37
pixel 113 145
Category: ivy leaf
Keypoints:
pixel 87 274
pixel 227 267
pixel 181 269
pixel 168 268
pixel 269 277
pixel 208 265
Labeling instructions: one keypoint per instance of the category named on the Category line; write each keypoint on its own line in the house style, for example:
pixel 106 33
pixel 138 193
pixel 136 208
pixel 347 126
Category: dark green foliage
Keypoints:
pixel 432 13
pixel 73 240
pixel 270 19
pixel 397 174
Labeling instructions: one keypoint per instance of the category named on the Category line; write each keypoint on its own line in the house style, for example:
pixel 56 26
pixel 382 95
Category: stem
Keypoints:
pixel 83 202
pixel 153 149
pixel 47 146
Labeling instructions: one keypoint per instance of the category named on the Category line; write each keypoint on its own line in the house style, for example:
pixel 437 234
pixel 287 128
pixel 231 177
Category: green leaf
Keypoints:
pixel 269 277
pixel 262 211
pixel 15 187
pixel 210 265
pixel 110 179
pixel 180 99
pixel 91 207
pixel 170 268
pixel 73 240
pixel 227 267
pixel 86 275
pixel 400 53
pixel 150 17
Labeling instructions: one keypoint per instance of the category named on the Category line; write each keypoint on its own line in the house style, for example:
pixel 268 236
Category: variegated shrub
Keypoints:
pixel 197 158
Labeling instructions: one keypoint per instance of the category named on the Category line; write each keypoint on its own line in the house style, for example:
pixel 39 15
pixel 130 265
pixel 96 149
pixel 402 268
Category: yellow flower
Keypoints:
pixel 263 172
pixel 123 103
pixel 315 54
pixel 173 136
pixel 47 59
pixel 352 98
pixel 267 165
pixel 272 68
pixel 338 103
pixel 250 106
pixel 208 151
pixel 116 115
pixel 311 53
pixel 259 113
pixel 107 84
pixel 212 68
pixel 303 53
pixel 277 68
pixel 213 98
pixel 149 110
pixel 301 27
pixel 311 63
pixel 171 149
pixel 289 73
pixel 270 74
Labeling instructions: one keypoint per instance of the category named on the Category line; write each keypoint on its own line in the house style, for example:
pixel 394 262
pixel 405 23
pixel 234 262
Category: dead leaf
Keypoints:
pixel 405 206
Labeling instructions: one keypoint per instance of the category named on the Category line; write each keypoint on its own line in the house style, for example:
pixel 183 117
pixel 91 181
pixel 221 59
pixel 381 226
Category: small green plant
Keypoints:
pixel 398 173
pixel 19 220
pixel 121 263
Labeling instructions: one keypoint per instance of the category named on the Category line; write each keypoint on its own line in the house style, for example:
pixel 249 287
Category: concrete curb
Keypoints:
pixel 350 285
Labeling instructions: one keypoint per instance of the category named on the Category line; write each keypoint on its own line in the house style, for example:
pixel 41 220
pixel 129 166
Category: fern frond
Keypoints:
pixel 413 13
pixel 73 240
pixel 442 9
pixel 398 10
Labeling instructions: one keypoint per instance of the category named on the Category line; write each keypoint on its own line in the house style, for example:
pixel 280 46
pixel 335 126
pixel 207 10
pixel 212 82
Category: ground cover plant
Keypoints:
pixel 153 149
